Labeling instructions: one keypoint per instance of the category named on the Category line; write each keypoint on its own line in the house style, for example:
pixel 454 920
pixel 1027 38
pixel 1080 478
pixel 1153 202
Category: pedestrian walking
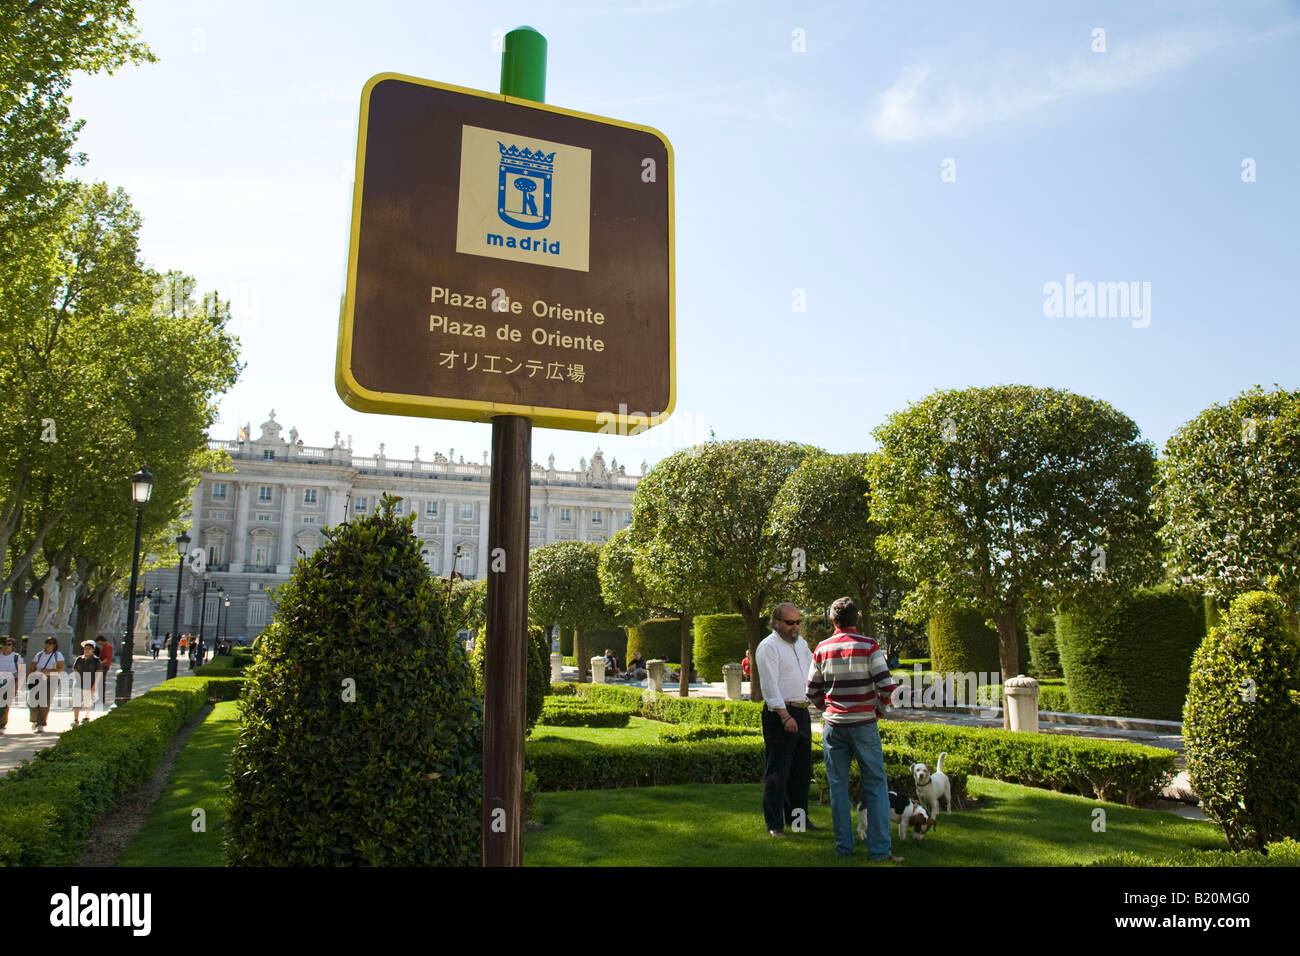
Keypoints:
pixel 47 661
pixel 88 669
pixel 11 679
pixel 106 660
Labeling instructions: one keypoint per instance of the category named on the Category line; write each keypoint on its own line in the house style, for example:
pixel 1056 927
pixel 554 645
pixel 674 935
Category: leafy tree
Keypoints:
pixel 1229 498
pixel 42 44
pixel 630 585
pixel 704 515
pixel 361 741
pixel 1009 498
pixel 822 517
pixel 108 376
pixel 564 589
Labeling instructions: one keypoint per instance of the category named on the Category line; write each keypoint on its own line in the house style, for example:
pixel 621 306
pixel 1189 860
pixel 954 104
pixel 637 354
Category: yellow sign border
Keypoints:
pixel 363 399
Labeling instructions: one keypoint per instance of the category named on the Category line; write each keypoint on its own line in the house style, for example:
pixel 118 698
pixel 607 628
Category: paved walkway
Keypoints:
pixel 18 743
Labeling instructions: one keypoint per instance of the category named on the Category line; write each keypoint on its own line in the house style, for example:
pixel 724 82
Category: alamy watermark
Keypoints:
pixel 1098 300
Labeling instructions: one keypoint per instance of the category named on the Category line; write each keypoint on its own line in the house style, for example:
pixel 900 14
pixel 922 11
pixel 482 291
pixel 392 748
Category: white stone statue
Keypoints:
pixel 143 620
pixel 67 602
pixel 49 604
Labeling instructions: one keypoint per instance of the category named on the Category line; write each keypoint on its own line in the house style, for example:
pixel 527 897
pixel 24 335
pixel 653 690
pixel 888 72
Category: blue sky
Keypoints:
pixel 819 169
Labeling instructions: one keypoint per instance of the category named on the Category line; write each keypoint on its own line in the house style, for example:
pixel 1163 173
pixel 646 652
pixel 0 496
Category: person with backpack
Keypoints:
pixel 46 662
pixel 11 678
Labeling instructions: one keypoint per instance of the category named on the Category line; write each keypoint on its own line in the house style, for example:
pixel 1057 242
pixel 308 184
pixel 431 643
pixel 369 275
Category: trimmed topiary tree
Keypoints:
pixel 1242 724
pixel 1132 658
pixel 361 740
pixel 657 639
pixel 615 638
pixel 719 639
pixel 1044 656
pixel 538 680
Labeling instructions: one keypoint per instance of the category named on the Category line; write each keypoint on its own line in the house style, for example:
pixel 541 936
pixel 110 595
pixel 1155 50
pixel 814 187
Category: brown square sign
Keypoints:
pixel 507 257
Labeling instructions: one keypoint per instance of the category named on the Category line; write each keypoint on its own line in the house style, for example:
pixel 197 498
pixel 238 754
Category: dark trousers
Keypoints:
pixel 789 768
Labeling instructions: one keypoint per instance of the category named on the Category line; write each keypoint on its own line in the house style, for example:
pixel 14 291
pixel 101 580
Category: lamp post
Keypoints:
pixel 203 615
pixel 182 548
pixel 216 631
pixel 141 489
pixel 227 615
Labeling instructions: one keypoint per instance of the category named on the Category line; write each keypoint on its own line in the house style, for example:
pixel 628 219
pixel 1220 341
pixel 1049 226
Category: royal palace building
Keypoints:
pixel 253 523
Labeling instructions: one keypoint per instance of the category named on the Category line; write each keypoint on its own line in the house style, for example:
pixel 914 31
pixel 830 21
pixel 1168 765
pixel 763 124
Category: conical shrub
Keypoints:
pixel 1242 724
pixel 361 738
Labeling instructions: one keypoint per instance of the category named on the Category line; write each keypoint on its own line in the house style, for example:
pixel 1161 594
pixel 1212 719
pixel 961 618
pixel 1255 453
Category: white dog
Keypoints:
pixel 932 787
pixel 906 812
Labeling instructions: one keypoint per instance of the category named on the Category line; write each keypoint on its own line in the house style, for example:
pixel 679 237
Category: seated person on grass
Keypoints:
pixel 611 664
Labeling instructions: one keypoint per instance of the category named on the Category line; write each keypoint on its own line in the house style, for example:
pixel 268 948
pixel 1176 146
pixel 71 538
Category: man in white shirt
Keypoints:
pixel 783 660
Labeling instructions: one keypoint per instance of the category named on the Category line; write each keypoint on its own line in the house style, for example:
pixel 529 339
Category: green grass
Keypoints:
pixel 638 731
pixel 722 825
pixel 196 781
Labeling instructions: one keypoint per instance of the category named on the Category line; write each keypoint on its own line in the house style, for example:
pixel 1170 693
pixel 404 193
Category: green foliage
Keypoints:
pixel 563 690
pixel 538 678
pixel 1280 854
pixel 1242 724
pixel 467 606
pixel 824 510
pixel 677 710
pixel 614 638
pixel 391 777
pixel 996 499
pixel 48 805
pixel 701 523
pixel 1044 656
pixel 1050 698
pixel 564 589
pixel 573 765
pixel 961 642
pixel 684 732
pixel 719 639
pixel 1229 497
pixel 656 639
pixel 1103 769
pixel 1133 658
pixel 576 712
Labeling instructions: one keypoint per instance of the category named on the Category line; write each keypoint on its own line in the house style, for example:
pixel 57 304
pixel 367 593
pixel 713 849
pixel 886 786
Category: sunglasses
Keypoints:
pixel 791 623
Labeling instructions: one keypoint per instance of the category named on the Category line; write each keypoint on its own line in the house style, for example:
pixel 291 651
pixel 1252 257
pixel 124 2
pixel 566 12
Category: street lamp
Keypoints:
pixel 141 489
pixel 203 615
pixel 182 548
pixel 227 615
pixel 216 631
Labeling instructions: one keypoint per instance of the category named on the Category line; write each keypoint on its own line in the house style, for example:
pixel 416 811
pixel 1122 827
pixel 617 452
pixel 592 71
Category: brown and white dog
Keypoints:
pixel 931 787
pixel 906 812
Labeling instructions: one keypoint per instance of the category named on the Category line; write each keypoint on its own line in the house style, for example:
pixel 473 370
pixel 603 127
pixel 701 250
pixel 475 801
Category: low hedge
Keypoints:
pixel 898 768
pixel 1104 769
pixel 563 690
pixel 719 639
pixel 576 712
pixel 672 709
pixel 1052 698
pixel 49 805
pixel 659 638
pixel 573 765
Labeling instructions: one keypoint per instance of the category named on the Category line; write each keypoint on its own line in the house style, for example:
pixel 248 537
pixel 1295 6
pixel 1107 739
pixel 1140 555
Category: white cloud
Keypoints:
pixel 926 103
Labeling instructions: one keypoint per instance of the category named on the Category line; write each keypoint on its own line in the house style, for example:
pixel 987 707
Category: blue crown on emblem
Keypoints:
pixel 532 160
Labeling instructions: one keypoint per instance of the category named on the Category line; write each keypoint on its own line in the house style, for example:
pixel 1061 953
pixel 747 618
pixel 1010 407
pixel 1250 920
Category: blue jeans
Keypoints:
pixel 840 744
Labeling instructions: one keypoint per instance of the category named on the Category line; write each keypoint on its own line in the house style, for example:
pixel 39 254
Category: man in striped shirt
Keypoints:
pixel 850 683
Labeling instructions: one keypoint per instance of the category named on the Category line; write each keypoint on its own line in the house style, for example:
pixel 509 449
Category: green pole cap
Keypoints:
pixel 523 65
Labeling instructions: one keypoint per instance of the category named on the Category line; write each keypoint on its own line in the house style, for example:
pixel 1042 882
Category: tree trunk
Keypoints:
pixel 1008 653
pixel 17 611
pixel 755 628
pixel 684 681
pixel 580 653
pixel 866 597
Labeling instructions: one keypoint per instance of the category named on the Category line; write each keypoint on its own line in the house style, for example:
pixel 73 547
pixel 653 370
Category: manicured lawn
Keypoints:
pixel 198 775
pixel 638 731
pixel 722 825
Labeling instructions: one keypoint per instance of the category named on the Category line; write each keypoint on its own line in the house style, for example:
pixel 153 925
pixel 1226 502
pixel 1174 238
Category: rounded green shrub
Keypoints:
pixel 659 638
pixel 539 672
pixel 361 740
pixel 1132 659
pixel 566 641
pixel 1241 725
pixel 719 639
pixel 1044 657
pixel 962 643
